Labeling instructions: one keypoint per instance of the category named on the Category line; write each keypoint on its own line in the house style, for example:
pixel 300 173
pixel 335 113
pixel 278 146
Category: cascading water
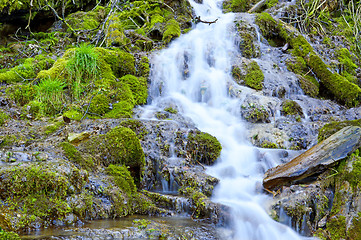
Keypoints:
pixel 194 73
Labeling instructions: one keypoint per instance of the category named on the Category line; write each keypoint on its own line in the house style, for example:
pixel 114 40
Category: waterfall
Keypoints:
pixel 194 72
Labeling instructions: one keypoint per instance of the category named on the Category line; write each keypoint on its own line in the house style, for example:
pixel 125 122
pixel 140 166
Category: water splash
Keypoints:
pixel 194 72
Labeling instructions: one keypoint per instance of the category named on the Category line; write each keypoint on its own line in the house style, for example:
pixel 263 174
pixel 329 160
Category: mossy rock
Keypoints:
pixel 237 5
pixel 27 70
pixel 256 114
pixel 308 86
pixel 119 146
pixel 333 127
pixel 339 87
pixel 290 107
pixel 122 178
pixel 172 30
pixel 138 86
pixel 3 117
pixel 137 126
pixel 72 153
pixel 203 147
pixel 21 93
pixel 332 85
pixel 254 77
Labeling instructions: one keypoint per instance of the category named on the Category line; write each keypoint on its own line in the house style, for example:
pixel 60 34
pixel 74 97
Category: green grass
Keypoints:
pixel 82 67
pixel 51 95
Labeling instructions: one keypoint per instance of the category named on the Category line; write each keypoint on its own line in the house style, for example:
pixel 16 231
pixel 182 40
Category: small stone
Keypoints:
pixel 76 138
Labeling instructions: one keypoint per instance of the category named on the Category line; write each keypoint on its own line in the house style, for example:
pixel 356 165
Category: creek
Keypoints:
pixel 194 73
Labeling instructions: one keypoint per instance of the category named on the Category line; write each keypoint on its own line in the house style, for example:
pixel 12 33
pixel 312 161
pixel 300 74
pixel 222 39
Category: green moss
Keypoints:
pixel 308 85
pixel 119 146
pixel 137 126
pixel 347 67
pixel 75 156
pixel 73 114
pixel 172 30
pixel 331 128
pixel 21 94
pixel 26 71
pixel 8 235
pixel 171 110
pixel 138 86
pixel 3 117
pixel 51 128
pixel 203 147
pixel 271 3
pixel 354 232
pixel 122 178
pixel 198 201
pixel 143 67
pixel 268 144
pixel 100 104
pixel 256 114
pixel 35 191
pixel 236 5
pixel 254 77
pixel 8 140
pixel 247 46
pixel 34 108
pixel 121 63
pixel 344 91
pixel 336 226
pixel 290 107
pixel 122 109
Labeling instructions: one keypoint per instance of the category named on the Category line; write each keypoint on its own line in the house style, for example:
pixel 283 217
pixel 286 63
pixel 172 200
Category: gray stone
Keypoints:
pixel 305 167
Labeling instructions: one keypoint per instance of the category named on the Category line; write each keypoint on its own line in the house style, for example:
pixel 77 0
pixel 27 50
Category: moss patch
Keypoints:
pixel 172 30
pixel 203 147
pixel 76 157
pixel 331 128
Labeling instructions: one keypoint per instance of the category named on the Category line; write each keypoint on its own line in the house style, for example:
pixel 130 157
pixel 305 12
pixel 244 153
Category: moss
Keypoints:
pixel 254 77
pixel 26 71
pixel 138 86
pixel 172 30
pixel 256 114
pixel 73 114
pixel 171 110
pixel 122 109
pixel 247 46
pixel 3 118
pixel 336 226
pixel 198 201
pixel 290 107
pixel 115 35
pixel 137 126
pixel 33 108
pixel 8 235
pixel 21 94
pixel 100 104
pixel 76 157
pixel 35 191
pixel 119 146
pixel 344 91
pixel 122 178
pixel 51 128
pixel 121 63
pixel 143 68
pixel 331 128
pixel 271 3
pixel 236 5
pixel 203 147
pixel 268 144
pixel 354 232
pixel 8 140
pixel 346 65
pixel 308 86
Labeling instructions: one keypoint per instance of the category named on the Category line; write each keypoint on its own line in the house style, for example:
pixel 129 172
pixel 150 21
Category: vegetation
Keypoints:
pixel 203 147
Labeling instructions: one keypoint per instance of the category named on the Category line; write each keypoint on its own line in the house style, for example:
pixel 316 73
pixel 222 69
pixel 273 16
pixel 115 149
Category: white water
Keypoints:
pixel 205 54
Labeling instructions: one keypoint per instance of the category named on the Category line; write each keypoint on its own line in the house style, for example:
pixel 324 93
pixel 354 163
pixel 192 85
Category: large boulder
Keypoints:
pixel 316 160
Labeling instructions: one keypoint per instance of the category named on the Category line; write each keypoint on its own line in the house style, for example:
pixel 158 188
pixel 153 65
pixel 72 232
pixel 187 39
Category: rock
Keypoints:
pixel 316 160
pixel 76 138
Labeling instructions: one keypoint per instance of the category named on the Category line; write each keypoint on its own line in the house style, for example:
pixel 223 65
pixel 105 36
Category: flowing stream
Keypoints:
pixel 194 73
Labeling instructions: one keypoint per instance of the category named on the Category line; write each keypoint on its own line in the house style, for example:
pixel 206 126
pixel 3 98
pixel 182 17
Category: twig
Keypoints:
pixel 198 19
pixel 60 18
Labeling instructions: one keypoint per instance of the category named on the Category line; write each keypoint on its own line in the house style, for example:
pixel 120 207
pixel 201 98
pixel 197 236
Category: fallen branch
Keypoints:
pixel 257 6
pixel 198 19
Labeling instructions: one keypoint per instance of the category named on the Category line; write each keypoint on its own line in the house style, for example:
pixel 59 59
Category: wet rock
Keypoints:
pixel 316 160
pixel 76 138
